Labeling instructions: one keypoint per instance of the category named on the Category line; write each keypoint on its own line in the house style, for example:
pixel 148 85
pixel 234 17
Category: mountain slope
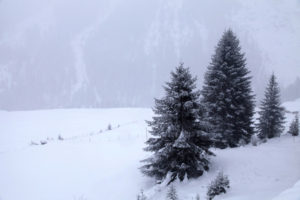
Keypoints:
pixel 57 54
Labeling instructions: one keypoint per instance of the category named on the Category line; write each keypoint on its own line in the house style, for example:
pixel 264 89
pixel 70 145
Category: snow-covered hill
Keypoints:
pixel 73 53
pixel 290 194
pixel 90 163
pixel 95 163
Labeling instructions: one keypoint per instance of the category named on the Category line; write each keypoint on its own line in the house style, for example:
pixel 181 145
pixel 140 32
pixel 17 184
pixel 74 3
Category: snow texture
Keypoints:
pixel 92 163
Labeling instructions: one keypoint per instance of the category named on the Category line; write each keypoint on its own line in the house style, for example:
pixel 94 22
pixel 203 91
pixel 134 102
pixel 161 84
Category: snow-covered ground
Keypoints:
pixel 95 163
pixel 290 194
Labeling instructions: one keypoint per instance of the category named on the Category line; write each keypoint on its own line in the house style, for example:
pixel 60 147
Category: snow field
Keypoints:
pixel 91 164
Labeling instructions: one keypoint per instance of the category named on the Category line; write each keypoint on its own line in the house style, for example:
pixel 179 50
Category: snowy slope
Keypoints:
pixel 290 194
pixel 86 165
pixel 292 106
pixel 95 163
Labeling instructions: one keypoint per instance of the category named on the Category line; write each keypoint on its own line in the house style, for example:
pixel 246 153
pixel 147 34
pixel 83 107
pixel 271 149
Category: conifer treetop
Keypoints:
pixel 227 93
pixel 271 114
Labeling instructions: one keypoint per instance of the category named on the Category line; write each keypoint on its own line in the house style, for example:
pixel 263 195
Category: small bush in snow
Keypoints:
pixel 109 127
pixel 218 186
pixel 141 196
pixel 197 197
pixel 43 142
pixel 60 137
pixel 172 193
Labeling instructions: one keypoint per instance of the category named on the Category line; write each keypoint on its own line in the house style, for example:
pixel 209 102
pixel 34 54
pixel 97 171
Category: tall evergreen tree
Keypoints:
pixel 271 114
pixel 180 142
pixel 227 94
pixel 294 127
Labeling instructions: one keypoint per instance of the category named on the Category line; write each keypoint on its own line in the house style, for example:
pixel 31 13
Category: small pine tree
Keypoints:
pixel 227 94
pixel 294 127
pixel 60 137
pixel 271 114
pixel 218 186
pixel 180 143
pixel 109 127
pixel 197 197
pixel 172 193
pixel 141 196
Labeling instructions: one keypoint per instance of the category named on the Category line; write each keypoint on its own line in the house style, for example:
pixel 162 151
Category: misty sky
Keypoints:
pixel 108 53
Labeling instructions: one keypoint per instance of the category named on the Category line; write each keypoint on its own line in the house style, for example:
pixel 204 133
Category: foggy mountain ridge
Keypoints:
pixel 63 54
pixel 292 91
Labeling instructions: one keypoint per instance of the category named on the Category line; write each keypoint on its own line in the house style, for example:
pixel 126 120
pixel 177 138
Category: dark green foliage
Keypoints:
pixel 218 186
pixel 294 127
pixel 180 142
pixel 227 94
pixel 271 114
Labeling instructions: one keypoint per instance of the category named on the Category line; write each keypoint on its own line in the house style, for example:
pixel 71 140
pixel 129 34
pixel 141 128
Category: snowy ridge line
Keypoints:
pixel 291 112
pixel 99 132
pixel 85 135
pixel 49 140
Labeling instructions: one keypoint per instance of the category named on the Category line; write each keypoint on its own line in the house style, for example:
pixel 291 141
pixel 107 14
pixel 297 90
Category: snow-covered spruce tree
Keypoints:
pixel 294 127
pixel 271 114
pixel 180 142
pixel 227 94
pixel 218 186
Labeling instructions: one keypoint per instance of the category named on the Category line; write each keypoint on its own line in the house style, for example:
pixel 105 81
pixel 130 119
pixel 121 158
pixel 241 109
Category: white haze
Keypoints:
pixel 113 53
